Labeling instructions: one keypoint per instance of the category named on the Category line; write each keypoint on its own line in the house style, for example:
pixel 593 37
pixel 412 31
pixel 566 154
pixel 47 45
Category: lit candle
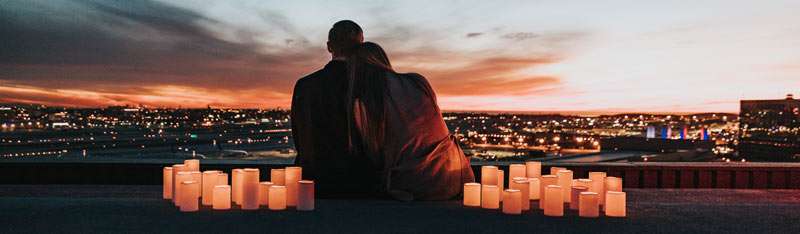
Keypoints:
pixel 554 170
pixel 490 197
pixel 598 185
pixel 523 185
pixel 583 182
pixel 189 196
pixel 514 171
pixel 544 181
pixel 263 193
pixel 589 206
pixel 192 164
pixel 222 178
pixel 576 191
pixel 472 194
pixel 277 197
pixel 534 169
pixel 293 176
pixel 250 189
pixel 534 188
pixel 175 169
pixel 209 181
pixel 179 190
pixel 277 176
pixel 197 176
pixel 512 201
pixel 222 197
pixel 305 195
pixel 613 184
pixel 500 184
pixel 554 201
pixel 615 204
pixel 167 183
pixel 236 185
pixel 565 181
pixel 489 175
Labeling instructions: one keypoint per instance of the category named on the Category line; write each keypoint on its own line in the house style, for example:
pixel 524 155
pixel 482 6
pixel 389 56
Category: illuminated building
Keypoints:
pixel 770 129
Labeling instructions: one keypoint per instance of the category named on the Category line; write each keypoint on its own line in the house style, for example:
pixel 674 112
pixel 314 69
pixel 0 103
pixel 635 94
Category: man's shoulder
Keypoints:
pixel 328 70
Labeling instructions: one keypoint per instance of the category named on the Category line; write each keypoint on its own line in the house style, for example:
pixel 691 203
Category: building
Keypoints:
pixel 770 129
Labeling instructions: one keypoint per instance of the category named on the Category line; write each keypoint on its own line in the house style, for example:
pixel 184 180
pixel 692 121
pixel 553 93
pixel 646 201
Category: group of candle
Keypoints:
pixel 554 191
pixel 187 187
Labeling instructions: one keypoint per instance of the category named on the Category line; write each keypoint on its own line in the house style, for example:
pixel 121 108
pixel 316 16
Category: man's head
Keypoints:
pixel 343 37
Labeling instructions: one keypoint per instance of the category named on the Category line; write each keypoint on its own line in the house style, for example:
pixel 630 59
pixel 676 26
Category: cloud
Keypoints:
pixel 520 36
pixel 474 34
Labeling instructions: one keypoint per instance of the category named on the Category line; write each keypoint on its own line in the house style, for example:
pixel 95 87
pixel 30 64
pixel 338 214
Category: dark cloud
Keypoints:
pixel 474 34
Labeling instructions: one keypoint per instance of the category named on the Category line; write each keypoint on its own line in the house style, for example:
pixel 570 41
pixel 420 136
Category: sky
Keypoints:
pixel 557 56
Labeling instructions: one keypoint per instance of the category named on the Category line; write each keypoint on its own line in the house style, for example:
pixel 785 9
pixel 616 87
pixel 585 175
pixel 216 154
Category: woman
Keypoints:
pixel 398 125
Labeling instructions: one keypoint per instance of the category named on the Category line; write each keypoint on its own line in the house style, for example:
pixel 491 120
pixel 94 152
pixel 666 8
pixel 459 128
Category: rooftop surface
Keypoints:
pixel 140 209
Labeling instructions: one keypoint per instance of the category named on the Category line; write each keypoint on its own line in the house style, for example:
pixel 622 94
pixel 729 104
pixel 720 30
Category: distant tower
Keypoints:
pixel 651 132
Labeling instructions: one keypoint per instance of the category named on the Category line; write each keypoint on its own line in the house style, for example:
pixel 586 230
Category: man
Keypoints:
pixel 320 126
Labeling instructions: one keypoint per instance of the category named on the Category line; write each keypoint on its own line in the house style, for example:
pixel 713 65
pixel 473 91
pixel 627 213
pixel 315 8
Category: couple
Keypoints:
pixel 363 130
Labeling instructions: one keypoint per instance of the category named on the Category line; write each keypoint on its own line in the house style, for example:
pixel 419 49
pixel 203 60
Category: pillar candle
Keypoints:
pixel 544 181
pixel 179 190
pixel 236 185
pixel 534 188
pixel 263 193
pixel 277 197
pixel 293 176
pixel 192 164
pixel 490 197
pixel 613 184
pixel 189 196
pixel 277 176
pixel 472 194
pixel 554 170
pixel 598 185
pixel 222 178
pixel 489 175
pixel 167 183
pixel 583 182
pixel 512 201
pixel 565 181
pixel 222 197
pixel 514 171
pixel 576 191
pixel 554 201
pixel 615 204
pixel 197 176
pixel 589 206
pixel 523 185
pixel 250 189
pixel 500 184
pixel 209 181
pixel 305 195
pixel 533 169
pixel 175 169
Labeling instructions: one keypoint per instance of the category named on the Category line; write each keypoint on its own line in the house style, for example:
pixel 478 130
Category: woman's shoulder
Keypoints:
pixel 417 80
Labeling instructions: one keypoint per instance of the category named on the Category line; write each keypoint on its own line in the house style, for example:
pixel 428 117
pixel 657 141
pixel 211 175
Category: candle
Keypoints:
pixel 589 206
pixel 615 204
pixel 554 170
pixel 576 191
pixel 189 196
pixel 263 193
pixel 293 176
pixel 544 181
pixel 209 181
pixel 305 195
pixel 222 178
pixel 236 185
pixel 512 201
pixel 489 175
pixel 179 190
pixel 490 197
pixel 523 185
pixel 534 188
pixel 613 184
pixel 277 197
pixel 175 169
pixel 583 182
pixel 533 169
pixel 167 183
pixel 198 177
pixel 554 201
pixel 222 197
pixel 277 176
pixel 250 189
pixel 565 181
pixel 500 184
pixel 192 164
pixel 514 171
pixel 472 194
pixel 598 185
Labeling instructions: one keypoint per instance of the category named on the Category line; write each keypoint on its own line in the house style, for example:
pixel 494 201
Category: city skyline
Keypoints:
pixel 548 56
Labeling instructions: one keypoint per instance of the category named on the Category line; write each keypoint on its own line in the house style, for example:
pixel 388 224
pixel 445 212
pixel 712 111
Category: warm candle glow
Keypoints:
pixel 615 204
pixel 175 169
pixel 222 197
pixel 167 183
pixel 514 171
pixel 472 194
pixel 489 175
pixel 293 175
pixel 534 188
pixel 236 185
pixel 209 181
pixel 512 201
pixel 589 205
pixel 533 169
pixel 565 181
pixel 192 164
pixel 490 197
pixel 598 185
pixel 544 181
pixel 613 184
pixel 305 195
pixel 277 176
pixel 554 201
pixel 554 170
pixel 523 185
pixel 277 197
pixel 222 178
pixel 583 182
pixel 179 190
pixel 263 193
pixel 500 184
pixel 190 195
pixel 250 189
pixel 576 191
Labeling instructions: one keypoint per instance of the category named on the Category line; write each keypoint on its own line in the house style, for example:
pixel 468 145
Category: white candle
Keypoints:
pixel 512 201
pixel 533 169
pixel 293 176
pixel 263 193
pixel 197 176
pixel 583 182
pixel 236 185
pixel 222 197
pixel 189 196
pixel 179 190
pixel 489 175
pixel 250 189
pixel 222 178
pixel 500 184
pixel 544 181
pixel 472 194
pixel 514 171
pixel 209 181
pixel 554 201
pixel 523 185
pixel 598 185
pixel 613 184
pixel 277 176
pixel 192 164
pixel 576 191
pixel 175 169
pixel 534 188
pixel 167 183
pixel 554 170
pixel 277 197
pixel 305 195
pixel 589 206
pixel 565 181
pixel 490 197
pixel 615 204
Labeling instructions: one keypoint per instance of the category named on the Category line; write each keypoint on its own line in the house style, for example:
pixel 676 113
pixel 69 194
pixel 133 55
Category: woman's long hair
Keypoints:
pixel 368 67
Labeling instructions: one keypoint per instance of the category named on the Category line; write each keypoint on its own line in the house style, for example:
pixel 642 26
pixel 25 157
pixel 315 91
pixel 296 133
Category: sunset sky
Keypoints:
pixel 596 56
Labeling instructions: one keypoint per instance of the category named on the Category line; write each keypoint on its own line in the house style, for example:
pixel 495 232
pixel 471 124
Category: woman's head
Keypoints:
pixel 368 70
pixel 370 53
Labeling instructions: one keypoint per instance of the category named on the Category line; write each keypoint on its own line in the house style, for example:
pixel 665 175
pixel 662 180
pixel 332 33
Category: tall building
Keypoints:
pixel 770 129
